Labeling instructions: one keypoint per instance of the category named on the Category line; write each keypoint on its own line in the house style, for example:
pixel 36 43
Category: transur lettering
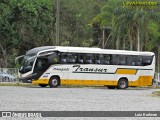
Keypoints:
pixel 81 69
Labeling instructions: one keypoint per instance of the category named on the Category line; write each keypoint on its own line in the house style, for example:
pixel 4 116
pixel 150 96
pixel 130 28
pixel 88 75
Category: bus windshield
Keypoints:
pixel 27 64
pixel 43 61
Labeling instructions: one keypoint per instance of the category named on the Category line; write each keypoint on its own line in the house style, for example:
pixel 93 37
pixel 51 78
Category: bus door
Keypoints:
pixel 43 63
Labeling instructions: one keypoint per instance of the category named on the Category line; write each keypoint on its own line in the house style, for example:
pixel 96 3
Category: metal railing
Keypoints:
pixel 9 75
pixel 156 80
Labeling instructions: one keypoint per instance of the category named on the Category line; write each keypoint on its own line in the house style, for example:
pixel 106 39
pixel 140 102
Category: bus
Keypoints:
pixel 58 65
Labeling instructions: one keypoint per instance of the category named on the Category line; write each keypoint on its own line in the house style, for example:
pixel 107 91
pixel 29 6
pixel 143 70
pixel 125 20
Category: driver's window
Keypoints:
pixel 54 58
pixel 41 63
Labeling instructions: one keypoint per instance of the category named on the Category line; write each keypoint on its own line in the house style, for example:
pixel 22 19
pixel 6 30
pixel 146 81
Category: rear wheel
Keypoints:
pixel 43 85
pixel 122 84
pixel 54 82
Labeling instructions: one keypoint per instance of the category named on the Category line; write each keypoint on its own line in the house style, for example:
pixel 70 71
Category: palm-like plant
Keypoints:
pixel 127 24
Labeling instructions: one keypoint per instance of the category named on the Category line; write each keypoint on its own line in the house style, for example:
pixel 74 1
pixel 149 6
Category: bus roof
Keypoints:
pixel 34 51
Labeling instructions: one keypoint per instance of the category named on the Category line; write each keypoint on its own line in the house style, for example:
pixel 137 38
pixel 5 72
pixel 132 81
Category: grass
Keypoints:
pixel 17 84
pixel 156 93
pixel 35 85
pixel 155 87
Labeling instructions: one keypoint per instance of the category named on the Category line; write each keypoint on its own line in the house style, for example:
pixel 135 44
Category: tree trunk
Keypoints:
pixel 158 58
pixel 138 40
pixel 4 63
pixel 118 41
pixel 103 37
pixel 131 42
pixel 124 43
pixel 130 38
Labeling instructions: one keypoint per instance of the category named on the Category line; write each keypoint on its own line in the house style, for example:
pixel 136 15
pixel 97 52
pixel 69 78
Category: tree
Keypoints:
pixel 126 23
pixel 75 19
pixel 25 24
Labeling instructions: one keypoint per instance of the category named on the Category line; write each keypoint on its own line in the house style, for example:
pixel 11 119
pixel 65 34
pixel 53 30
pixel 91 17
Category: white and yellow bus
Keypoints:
pixel 56 65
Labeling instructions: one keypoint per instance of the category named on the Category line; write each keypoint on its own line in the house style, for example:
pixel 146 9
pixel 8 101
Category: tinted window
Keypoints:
pixel 147 60
pixel 67 58
pixel 107 59
pixel 88 59
pixel 54 58
pixel 122 60
pixel 63 58
pixel 129 60
pixel 99 59
pixel 114 60
pixel 71 58
pixel 137 60
pixel 80 58
pixel 41 63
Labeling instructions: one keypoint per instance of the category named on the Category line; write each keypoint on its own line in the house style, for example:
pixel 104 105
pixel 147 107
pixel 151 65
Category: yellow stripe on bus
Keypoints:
pixel 89 82
pixel 40 81
pixel 126 71
pixel 141 81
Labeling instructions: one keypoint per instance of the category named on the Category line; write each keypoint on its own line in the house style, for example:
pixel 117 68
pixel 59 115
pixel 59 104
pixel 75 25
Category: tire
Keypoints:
pixel 54 82
pixel 122 84
pixel 111 87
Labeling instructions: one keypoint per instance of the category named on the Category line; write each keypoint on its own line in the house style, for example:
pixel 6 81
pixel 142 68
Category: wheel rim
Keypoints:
pixel 122 84
pixel 54 82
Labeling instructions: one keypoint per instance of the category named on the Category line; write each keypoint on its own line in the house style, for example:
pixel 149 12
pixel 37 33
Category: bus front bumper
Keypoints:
pixel 28 79
pixel 25 80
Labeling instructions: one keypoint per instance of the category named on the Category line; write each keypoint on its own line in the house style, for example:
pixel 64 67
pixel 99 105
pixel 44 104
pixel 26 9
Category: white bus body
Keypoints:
pixel 56 65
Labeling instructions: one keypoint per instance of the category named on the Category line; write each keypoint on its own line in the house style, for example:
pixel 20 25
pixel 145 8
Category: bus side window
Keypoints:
pixel 63 58
pixel 88 58
pixel 107 59
pixel 80 58
pixel 122 60
pixel 114 60
pixel 54 58
pixel 98 58
pixel 137 60
pixel 129 60
pixel 71 58
pixel 147 60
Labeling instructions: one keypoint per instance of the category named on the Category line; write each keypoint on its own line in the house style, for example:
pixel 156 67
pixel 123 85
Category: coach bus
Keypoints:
pixel 57 65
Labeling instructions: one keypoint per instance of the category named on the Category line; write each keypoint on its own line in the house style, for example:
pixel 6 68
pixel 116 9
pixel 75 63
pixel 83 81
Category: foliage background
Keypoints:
pixel 25 24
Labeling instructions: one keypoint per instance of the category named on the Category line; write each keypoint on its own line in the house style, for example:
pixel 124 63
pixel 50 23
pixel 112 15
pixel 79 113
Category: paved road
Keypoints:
pixel 77 99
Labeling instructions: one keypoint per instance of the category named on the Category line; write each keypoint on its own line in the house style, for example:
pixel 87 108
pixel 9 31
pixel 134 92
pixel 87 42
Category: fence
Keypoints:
pixel 9 75
pixel 156 80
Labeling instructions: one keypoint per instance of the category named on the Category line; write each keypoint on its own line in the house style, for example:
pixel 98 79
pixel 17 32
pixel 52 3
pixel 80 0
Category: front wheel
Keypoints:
pixel 122 84
pixel 54 82
pixel 43 85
